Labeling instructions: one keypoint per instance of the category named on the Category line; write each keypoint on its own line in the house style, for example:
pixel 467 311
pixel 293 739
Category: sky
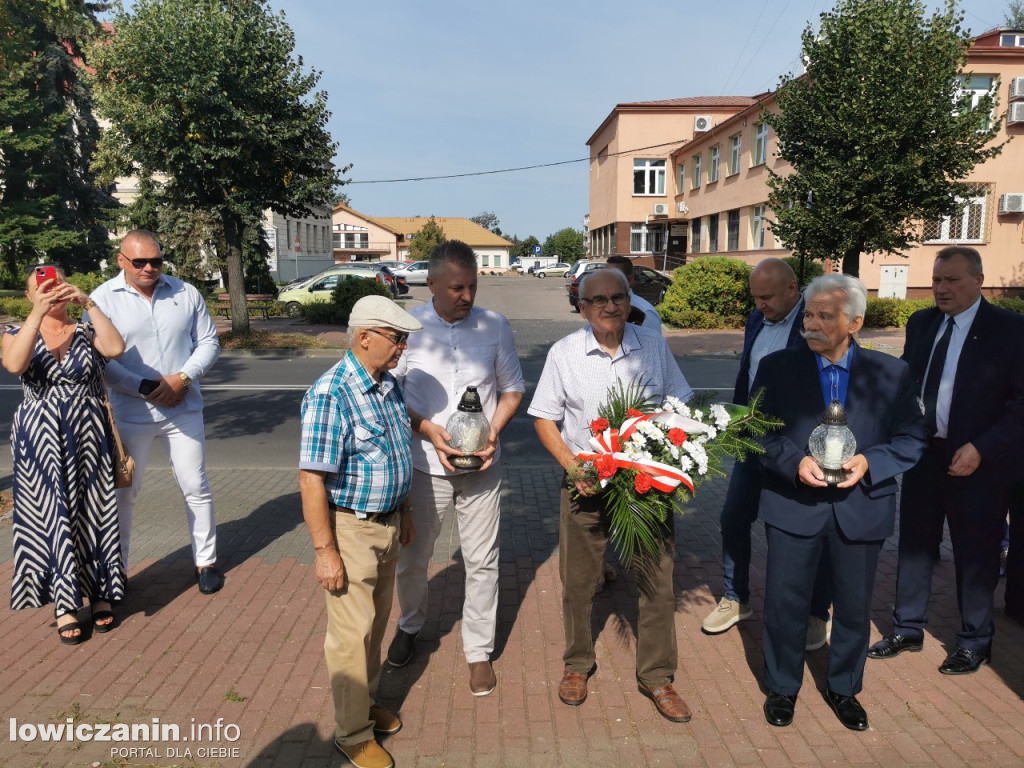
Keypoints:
pixel 439 87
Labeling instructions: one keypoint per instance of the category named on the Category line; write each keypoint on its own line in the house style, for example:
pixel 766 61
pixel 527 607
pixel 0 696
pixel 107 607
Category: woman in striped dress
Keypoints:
pixel 66 541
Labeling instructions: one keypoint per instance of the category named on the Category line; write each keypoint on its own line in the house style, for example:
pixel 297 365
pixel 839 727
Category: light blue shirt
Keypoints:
pixel 961 327
pixel 172 333
pixel 652 319
pixel 771 338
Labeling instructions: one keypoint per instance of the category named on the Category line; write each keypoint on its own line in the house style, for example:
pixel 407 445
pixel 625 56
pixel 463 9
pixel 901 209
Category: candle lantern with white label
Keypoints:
pixel 469 430
pixel 832 444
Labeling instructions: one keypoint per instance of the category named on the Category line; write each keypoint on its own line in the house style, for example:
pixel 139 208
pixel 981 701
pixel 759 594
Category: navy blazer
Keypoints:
pixel 741 392
pixel 987 408
pixel 882 411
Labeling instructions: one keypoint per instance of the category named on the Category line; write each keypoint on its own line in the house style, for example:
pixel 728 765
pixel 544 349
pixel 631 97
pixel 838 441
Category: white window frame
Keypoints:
pixel 680 178
pixel 730 244
pixel 653 171
pixel 757 227
pixel 977 86
pixel 735 153
pixel 697 170
pixel 977 203
pixel 760 149
pixel 714 160
pixel 714 225
pixel 644 237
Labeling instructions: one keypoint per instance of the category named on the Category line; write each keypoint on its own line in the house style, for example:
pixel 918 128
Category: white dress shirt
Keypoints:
pixel 173 332
pixel 961 327
pixel 771 338
pixel 652 319
pixel 445 358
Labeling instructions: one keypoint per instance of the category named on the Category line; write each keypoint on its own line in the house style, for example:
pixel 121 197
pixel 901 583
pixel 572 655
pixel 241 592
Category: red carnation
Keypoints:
pixel 642 482
pixel 605 466
pixel 597 426
pixel 677 436
pixel 633 413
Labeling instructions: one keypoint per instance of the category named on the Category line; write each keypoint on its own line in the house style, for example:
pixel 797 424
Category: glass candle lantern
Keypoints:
pixel 832 444
pixel 469 430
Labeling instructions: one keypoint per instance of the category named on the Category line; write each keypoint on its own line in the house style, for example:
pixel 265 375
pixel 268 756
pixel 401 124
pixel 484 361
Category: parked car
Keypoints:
pixel 319 287
pixel 647 284
pixel 389 276
pixel 416 273
pixel 580 267
pixel 555 270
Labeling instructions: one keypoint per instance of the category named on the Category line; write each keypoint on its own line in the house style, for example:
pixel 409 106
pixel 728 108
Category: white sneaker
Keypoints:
pixel 726 614
pixel 818 631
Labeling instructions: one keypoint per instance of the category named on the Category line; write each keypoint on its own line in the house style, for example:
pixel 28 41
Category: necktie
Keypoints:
pixel 931 384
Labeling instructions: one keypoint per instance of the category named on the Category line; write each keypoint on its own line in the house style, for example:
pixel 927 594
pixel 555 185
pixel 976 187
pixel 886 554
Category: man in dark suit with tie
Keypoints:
pixel 806 518
pixel 775 324
pixel 967 358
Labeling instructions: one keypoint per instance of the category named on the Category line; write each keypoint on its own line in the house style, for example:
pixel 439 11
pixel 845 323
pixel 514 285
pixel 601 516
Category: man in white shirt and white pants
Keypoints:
pixel 460 345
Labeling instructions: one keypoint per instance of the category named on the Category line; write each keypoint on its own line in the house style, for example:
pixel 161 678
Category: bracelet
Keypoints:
pixel 325 547
pixel 89 305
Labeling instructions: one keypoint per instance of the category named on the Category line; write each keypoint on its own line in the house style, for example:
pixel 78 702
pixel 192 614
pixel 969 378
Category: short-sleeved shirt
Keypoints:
pixel 357 431
pixel 578 376
pixel 444 358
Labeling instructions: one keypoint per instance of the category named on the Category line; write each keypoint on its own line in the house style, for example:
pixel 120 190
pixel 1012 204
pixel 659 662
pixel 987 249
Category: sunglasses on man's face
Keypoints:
pixel 141 263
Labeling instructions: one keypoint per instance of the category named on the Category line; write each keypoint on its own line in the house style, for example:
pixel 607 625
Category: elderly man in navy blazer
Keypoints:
pixel 967 359
pixel 775 324
pixel 806 518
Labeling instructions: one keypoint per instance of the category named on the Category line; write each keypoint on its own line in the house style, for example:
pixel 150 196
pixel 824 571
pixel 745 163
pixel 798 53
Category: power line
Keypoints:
pixel 513 170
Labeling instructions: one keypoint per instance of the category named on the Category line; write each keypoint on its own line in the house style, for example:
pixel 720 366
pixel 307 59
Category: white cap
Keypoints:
pixel 377 311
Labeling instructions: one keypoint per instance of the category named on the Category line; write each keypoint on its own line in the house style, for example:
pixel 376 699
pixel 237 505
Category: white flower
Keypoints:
pixel 698 454
pixel 676 405
pixel 685 463
pixel 720 415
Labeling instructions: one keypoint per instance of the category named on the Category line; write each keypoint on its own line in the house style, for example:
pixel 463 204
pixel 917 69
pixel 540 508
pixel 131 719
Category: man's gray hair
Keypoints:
pixel 453 252
pixel 856 294
pixel 616 274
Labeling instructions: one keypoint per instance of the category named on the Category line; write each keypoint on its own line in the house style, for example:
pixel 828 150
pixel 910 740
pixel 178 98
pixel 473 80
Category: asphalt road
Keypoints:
pixel 252 401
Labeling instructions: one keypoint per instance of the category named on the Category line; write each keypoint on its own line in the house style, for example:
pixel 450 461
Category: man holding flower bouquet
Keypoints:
pixel 580 371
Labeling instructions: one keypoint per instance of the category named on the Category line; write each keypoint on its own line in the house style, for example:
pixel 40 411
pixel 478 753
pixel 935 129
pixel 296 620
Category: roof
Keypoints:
pixel 364 217
pixel 455 228
pixel 684 106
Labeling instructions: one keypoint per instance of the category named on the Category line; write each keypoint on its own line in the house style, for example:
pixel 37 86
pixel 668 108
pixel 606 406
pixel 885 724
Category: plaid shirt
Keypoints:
pixel 357 431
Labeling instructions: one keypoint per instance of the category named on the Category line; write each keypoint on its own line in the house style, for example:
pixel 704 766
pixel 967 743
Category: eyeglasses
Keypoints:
pixel 398 339
pixel 140 263
pixel 601 302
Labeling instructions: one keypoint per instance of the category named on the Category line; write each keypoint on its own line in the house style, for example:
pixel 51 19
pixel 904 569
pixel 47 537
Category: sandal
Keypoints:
pixel 101 615
pixel 71 626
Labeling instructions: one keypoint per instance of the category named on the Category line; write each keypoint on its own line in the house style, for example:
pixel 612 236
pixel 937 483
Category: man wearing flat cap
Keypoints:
pixel 355 470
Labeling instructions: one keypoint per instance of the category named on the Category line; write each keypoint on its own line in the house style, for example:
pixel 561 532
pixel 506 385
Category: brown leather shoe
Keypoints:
pixel 367 754
pixel 669 704
pixel 481 678
pixel 573 688
pixel 384 721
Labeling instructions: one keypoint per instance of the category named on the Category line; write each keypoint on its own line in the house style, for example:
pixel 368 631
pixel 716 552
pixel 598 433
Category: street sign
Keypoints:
pixel 536 250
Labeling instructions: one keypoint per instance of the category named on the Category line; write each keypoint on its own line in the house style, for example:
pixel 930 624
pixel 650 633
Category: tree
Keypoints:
pixel 567 244
pixel 523 249
pixel 207 92
pixel 879 131
pixel 1015 15
pixel 488 221
pixel 429 236
pixel 50 203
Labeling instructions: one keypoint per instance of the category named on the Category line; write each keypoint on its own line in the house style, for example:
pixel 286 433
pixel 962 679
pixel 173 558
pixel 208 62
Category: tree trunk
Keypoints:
pixel 236 278
pixel 851 263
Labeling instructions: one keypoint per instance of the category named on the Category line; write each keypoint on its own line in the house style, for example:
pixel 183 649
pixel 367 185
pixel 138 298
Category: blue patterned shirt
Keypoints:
pixel 357 431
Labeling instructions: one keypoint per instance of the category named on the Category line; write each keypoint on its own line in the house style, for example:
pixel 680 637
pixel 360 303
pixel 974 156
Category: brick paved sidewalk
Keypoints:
pixel 251 656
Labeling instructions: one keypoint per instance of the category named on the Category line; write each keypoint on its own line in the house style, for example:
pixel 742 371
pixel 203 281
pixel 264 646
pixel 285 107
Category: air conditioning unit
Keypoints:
pixel 661 209
pixel 682 207
pixel 702 123
pixel 1011 203
pixel 1016 114
pixel 1017 89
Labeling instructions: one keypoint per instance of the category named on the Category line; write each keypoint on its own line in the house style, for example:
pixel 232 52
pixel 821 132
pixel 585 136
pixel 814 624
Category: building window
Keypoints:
pixel 647 238
pixel 680 178
pixel 714 155
pixel 735 144
pixel 969 225
pixel 485 260
pixel 336 240
pixel 649 177
pixel 977 87
pixel 695 236
pixel 713 233
pixel 757 227
pixel 1011 40
pixel 733 230
pixel 357 240
pixel 760 144
pixel 696 171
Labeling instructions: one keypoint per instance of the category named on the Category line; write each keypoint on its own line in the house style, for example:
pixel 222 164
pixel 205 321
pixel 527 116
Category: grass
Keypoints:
pixel 257 339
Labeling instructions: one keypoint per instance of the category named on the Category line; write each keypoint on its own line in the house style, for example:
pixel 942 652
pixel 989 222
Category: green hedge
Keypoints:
pixel 892 313
pixel 344 296
pixel 709 292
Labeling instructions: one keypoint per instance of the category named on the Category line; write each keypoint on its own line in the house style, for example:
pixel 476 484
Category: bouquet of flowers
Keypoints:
pixel 649 457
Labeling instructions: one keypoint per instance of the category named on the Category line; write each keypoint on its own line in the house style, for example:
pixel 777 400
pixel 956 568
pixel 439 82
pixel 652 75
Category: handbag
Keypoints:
pixel 124 464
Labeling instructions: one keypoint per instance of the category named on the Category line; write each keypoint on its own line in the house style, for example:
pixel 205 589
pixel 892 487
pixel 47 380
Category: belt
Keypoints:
pixel 374 517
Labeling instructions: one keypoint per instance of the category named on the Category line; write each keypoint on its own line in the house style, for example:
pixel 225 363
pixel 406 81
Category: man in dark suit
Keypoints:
pixel 774 325
pixel 805 517
pixel 967 359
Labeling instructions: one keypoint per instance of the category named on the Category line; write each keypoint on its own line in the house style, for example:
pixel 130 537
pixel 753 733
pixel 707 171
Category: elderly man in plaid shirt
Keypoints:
pixel 355 470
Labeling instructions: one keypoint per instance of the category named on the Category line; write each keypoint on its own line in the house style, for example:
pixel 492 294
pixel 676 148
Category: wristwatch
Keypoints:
pixel 185 379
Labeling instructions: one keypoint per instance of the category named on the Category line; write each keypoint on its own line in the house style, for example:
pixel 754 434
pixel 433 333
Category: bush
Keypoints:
pixel 892 313
pixel 344 296
pixel 812 269
pixel 1012 303
pixel 710 285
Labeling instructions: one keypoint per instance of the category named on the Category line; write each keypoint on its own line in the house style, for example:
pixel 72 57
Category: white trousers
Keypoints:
pixel 476 496
pixel 186 446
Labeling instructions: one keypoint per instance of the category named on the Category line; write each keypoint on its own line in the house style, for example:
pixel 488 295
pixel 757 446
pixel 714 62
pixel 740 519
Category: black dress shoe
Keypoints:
pixel 778 709
pixel 209 579
pixel 964 661
pixel 848 710
pixel 893 645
